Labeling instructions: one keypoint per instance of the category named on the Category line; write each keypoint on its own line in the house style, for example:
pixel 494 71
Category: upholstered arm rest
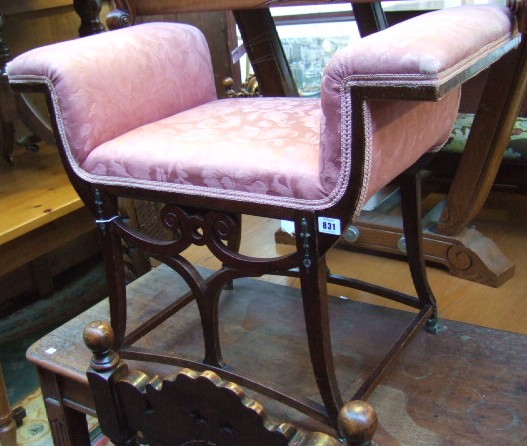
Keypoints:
pixel 400 74
pixel 427 56
pixel 117 81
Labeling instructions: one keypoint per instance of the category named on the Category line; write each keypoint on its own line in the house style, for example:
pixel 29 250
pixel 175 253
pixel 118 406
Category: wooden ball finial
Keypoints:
pixel 228 82
pixel 98 337
pixel 358 422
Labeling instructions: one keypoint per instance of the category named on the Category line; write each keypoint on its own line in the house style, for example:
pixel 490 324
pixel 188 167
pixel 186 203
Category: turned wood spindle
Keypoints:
pixel 88 11
pixel 7 107
pixel 5 53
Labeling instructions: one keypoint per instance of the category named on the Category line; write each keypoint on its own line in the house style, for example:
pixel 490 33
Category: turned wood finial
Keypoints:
pixel 88 11
pixel 249 88
pixel 228 84
pixel 358 421
pixel 98 337
pixel 519 7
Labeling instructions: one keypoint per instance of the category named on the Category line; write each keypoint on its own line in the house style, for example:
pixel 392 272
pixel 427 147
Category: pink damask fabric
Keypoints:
pixel 267 146
pixel 110 83
pixel 427 50
pixel 137 107
pixel 430 48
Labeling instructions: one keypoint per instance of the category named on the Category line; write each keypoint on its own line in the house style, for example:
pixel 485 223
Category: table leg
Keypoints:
pixel 370 18
pixel 7 423
pixel 265 52
pixel 494 120
pixel 68 426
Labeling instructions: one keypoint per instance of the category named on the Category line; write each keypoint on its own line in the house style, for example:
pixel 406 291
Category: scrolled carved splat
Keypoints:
pixel 219 231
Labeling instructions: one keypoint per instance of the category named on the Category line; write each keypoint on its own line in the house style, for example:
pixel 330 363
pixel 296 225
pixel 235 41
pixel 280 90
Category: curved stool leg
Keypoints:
pixel 208 308
pixel 113 255
pixel 410 186
pixel 313 277
pixel 234 245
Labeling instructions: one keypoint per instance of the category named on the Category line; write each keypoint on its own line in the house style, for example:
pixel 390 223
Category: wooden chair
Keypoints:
pixel 193 408
pixel 135 115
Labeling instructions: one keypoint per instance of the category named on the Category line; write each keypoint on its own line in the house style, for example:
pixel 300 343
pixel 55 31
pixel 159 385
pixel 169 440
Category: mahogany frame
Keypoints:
pixel 216 224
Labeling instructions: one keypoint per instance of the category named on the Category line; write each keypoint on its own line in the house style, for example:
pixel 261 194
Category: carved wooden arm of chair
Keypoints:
pixel 120 17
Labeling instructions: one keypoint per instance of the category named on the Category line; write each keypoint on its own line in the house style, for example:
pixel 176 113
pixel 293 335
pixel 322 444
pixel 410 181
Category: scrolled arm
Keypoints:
pixel 110 83
pixel 427 56
pixel 422 59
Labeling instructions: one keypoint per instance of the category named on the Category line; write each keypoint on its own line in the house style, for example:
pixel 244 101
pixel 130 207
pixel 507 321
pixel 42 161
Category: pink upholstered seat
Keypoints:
pixel 263 147
pixel 254 148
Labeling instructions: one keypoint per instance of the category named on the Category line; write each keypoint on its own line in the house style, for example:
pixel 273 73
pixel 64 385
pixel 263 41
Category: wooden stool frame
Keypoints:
pixel 215 223
pixel 203 221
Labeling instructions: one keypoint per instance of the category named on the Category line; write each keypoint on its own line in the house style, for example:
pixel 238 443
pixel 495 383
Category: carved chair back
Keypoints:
pixel 191 408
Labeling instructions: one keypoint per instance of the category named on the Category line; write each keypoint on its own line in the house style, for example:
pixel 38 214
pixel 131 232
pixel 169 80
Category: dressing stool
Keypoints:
pixel 135 115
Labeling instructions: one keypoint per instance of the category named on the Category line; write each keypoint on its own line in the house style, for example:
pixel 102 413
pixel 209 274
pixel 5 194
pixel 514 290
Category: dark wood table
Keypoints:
pixel 465 385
